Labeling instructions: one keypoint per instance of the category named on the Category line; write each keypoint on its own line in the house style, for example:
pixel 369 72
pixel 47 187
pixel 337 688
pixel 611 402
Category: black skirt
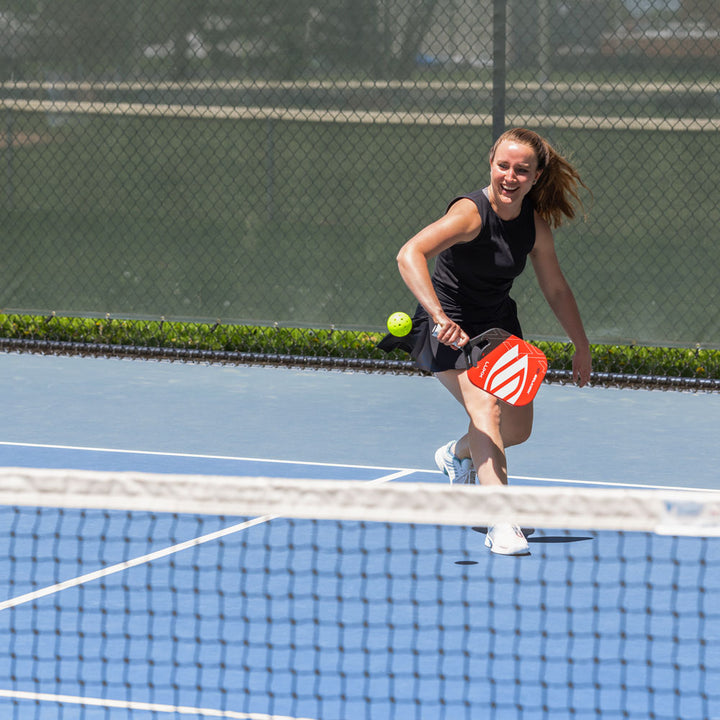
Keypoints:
pixel 433 356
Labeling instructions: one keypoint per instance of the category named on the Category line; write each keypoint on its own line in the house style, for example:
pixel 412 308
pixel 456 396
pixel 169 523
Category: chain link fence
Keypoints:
pixel 261 162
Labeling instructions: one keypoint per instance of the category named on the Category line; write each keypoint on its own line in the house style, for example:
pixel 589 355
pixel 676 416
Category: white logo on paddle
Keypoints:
pixel 508 375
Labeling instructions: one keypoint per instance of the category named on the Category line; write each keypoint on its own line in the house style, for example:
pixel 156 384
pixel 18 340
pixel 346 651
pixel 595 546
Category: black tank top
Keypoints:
pixel 473 280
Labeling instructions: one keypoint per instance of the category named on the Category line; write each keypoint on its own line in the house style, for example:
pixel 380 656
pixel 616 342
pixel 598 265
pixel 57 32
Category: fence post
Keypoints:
pixel 499 71
pixel 9 151
pixel 270 167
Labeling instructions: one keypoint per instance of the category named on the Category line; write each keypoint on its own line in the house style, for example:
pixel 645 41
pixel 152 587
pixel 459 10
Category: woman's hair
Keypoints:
pixel 556 191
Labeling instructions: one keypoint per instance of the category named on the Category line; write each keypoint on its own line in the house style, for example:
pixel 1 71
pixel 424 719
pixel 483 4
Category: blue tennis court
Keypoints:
pixel 111 614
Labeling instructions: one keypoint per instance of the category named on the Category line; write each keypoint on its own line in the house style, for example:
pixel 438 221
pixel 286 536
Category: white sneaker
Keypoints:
pixel 459 471
pixel 506 539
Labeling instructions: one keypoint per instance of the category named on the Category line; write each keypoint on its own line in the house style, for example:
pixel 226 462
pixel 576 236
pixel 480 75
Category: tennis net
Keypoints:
pixel 156 596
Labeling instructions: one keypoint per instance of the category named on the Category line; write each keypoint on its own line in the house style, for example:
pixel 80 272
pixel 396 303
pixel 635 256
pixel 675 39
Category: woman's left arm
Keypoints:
pixel 560 297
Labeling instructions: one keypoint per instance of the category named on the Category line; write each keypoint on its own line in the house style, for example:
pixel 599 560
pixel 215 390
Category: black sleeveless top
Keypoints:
pixel 473 280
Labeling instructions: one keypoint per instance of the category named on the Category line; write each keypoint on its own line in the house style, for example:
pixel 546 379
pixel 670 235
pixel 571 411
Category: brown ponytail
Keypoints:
pixel 556 191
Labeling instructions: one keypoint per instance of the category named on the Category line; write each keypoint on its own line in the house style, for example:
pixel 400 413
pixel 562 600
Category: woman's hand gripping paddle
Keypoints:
pixel 505 366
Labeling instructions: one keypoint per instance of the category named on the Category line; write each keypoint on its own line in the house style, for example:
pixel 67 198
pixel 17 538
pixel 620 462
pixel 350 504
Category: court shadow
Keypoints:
pixel 558 539
pixel 539 540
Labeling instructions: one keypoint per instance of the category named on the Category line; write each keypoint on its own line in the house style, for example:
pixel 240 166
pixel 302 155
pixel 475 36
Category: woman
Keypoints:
pixel 481 244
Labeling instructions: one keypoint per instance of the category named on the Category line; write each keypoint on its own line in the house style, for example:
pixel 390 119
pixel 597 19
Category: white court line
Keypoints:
pixel 605 484
pixel 158 453
pixel 148 707
pixel 306 463
pixel 127 564
pixel 157 554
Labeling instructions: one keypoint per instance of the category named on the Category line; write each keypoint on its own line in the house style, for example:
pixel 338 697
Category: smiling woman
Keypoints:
pixel 481 245
pixel 513 173
pixel 553 190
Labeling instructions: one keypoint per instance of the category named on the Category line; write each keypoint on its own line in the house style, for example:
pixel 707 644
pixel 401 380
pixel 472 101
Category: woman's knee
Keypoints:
pixel 485 412
pixel 516 424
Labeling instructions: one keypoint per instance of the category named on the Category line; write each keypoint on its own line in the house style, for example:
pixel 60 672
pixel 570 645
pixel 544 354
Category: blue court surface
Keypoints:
pixel 107 615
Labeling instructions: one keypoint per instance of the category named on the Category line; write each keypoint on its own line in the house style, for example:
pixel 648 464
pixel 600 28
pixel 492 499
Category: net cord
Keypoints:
pixel 673 512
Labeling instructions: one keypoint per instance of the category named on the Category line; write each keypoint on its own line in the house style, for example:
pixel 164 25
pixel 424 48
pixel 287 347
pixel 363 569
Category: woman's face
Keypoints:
pixel 513 172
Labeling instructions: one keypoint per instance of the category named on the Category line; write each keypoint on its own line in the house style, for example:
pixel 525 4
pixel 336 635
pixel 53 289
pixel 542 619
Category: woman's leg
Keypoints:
pixel 494 426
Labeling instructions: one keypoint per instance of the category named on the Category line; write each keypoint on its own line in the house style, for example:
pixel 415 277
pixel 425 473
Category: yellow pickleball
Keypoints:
pixel 399 324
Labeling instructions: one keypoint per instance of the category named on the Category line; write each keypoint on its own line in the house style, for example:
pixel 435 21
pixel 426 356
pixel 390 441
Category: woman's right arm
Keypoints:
pixel 460 224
